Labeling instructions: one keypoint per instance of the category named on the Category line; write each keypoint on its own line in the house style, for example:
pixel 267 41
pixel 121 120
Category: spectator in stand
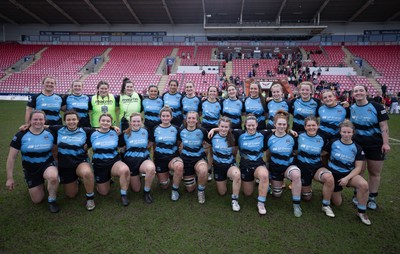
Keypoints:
pixel 384 89
pixel 387 101
pixel 47 101
pixel 286 88
pixel 394 107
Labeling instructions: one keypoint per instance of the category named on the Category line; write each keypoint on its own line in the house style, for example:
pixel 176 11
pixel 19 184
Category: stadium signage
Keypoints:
pixel 145 33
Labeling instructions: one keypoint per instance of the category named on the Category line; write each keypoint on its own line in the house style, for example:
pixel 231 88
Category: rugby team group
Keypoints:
pixel 330 142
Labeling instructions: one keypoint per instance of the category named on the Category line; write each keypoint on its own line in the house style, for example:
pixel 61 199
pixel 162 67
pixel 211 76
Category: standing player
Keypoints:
pixel 190 102
pixel 372 134
pixel 276 103
pixel 78 102
pixel 232 107
pixel 331 114
pixel 47 101
pixel 101 103
pixel 172 98
pixel 304 106
pixel 129 102
pixel 255 104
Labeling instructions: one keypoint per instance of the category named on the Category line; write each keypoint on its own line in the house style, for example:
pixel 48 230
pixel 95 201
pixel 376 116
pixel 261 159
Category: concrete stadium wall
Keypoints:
pixel 175 33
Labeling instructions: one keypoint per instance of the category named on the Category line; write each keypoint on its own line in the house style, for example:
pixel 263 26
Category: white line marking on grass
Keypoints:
pixel 394 139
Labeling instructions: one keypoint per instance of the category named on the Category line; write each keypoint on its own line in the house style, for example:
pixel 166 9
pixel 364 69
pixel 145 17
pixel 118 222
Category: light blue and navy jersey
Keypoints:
pixel 255 107
pixel 233 109
pixel 222 153
pixel 190 104
pixel 80 104
pixel 272 108
pixel 343 156
pixel 251 147
pixel 366 120
pixel 165 139
pixel 104 145
pixel 281 150
pixel 330 118
pixel 192 143
pixel 70 145
pixel 211 112
pixel 174 102
pixel 152 108
pixel 51 105
pixel 35 149
pixel 301 109
pixel 136 144
pixel 309 150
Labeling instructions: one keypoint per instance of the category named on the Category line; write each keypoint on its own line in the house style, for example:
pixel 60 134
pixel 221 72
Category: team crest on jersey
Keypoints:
pixel 287 141
pixel 46 137
pixel 369 110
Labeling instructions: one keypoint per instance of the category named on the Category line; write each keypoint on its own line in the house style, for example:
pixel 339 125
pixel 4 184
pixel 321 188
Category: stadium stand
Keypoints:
pixel 329 56
pixel 383 59
pixel 62 62
pixel 139 63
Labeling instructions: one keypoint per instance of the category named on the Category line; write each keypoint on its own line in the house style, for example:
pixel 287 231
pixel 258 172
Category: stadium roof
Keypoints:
pixel 218 12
